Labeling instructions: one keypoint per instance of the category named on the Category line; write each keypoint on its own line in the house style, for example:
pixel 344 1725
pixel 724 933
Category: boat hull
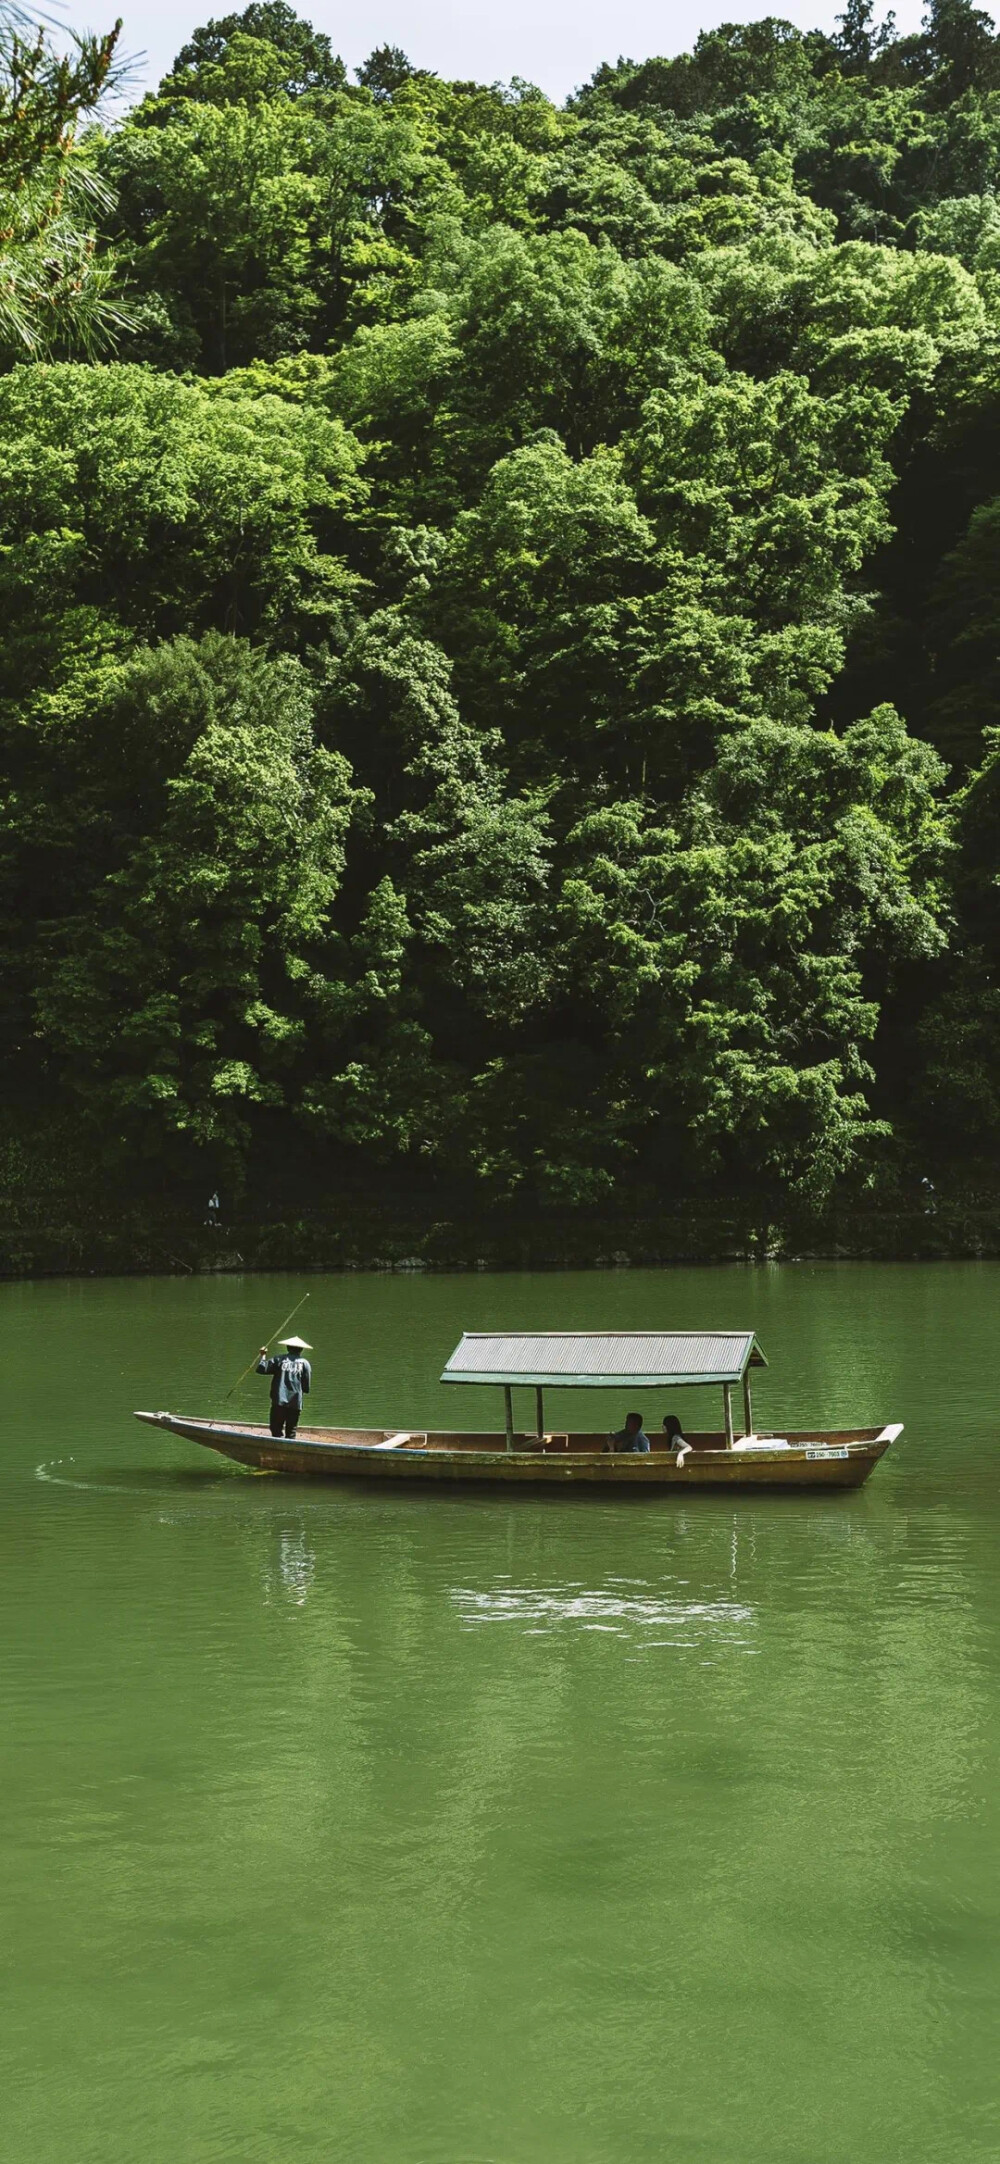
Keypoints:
pixel 831 1459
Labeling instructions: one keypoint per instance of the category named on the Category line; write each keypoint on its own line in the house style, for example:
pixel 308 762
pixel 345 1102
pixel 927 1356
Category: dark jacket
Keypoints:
pixel 290 1376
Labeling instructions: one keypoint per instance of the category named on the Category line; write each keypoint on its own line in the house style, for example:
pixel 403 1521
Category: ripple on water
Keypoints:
pixel 543 1609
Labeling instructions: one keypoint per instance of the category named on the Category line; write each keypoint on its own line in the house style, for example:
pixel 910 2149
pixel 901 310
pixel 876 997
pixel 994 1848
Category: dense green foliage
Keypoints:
pixel 500 673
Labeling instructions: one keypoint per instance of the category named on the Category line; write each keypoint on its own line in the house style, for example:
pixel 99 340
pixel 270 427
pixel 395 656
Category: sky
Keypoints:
pixel 557 44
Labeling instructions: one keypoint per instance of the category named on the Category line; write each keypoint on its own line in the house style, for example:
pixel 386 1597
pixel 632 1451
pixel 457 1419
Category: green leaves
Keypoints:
pixel 169 508
pixel 733 954
pixel 434 654
pixel 263 223
pixel 175 1001
pixel 784 493
pixel 56 293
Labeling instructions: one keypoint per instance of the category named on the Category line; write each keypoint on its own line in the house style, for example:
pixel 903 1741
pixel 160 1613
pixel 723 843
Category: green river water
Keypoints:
pixel 409 1827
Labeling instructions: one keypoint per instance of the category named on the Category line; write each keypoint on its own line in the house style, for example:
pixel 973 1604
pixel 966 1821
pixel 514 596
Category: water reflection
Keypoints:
pixel 543 1608
pixel 291 1576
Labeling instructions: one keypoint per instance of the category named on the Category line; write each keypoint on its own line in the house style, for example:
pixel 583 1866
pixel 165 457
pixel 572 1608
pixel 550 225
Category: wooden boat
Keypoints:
pixel 813 1458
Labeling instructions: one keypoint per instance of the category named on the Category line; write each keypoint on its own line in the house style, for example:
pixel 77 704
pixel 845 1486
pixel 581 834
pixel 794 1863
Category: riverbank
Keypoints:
pixel 141 1240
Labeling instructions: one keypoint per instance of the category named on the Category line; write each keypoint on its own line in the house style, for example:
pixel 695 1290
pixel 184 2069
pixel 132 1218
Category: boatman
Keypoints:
pixel 291 1379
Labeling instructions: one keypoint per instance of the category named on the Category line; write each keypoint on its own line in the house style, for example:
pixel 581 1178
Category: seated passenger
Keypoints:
pixel 631 1436
pixel 673 1437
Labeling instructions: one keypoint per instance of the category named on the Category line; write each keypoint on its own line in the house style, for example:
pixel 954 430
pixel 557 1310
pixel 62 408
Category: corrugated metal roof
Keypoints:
pixel 592 1359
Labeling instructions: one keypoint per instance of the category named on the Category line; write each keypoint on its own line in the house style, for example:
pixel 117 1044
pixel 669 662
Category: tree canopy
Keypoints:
pixel 500 645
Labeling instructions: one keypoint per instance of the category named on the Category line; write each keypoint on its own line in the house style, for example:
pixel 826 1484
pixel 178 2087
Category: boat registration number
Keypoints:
pixel 826 1453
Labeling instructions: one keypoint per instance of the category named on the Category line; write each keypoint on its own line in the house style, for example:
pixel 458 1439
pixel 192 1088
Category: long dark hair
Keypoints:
pixel 672 1427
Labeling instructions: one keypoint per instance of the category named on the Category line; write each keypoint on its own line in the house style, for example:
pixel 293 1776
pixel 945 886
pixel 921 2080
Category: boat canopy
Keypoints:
pixel 604 1360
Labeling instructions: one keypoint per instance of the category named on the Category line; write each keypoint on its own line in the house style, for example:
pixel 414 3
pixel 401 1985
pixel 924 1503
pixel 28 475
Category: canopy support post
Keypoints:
pixel 747 1403
pixel 508 1417
pixel 727 1402
pixel 539 1420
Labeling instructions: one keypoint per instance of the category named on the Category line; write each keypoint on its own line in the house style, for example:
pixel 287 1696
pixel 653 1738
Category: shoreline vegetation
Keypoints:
pixel 499 684
pixel 69 1239
pixel 138 1249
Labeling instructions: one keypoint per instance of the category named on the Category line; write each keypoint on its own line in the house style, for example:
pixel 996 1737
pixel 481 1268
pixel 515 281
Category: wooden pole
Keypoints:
pixel 539 1420
pixel 727 1400
pixel 508 1416
pixel 747 1404
pixel 275 1333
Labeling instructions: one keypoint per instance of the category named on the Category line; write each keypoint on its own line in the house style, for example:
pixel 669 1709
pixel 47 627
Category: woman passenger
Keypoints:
pixel 673 1437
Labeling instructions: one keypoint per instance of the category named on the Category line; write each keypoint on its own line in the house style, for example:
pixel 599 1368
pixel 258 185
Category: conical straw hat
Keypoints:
pixel 296 1344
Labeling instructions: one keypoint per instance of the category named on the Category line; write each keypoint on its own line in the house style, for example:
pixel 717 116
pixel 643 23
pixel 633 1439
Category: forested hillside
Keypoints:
pixel 500 667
